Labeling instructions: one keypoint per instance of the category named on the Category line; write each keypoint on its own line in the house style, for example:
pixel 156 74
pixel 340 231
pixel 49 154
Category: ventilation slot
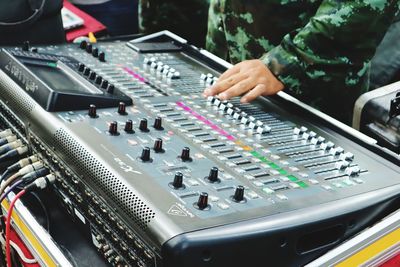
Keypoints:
pixel 124 198
pixel 13 93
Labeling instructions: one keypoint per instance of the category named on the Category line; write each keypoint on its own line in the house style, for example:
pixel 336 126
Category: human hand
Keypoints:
pixel 250 77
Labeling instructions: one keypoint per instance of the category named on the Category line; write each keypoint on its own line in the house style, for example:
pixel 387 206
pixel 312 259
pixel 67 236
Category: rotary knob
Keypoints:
pixel 129 127
pixel 89 48
pixel 202 202
pixel 92 112
pixel 238 196
pixel 95 52
pixel 102 57
pixel 158 146
pixel 143 125
pixel 145 157
pixel 178 181
pixel 185 155
pixel 113 128
pixel 158 124
pixel 122 108
pixel 213 175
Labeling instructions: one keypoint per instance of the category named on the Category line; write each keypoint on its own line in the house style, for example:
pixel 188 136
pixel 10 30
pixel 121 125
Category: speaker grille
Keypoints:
pixel 124 198
pixel 13 93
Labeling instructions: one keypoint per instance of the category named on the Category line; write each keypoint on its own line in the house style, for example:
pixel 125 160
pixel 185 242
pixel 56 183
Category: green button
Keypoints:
pixel 282 171
pixel 302 184
pixel 263 159
pixel 255 154
pixel 292 178
pixel 274 166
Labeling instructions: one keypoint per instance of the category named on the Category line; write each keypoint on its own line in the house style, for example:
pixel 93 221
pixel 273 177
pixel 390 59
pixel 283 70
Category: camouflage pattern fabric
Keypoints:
pixel 187 18
pixel 320 49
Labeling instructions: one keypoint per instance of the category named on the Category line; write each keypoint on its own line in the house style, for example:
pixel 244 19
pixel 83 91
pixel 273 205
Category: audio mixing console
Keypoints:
pixel 161 176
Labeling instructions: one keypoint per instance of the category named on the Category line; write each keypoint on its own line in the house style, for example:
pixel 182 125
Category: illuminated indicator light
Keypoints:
pixel 282 171
pixel 255 154
pixel 230 137
pixel 170 133
pixel 263 159
pixel 247 148
pixel 274 166
pixel 302 184
pixel 292 178
pixel 51 64
pixel 134 74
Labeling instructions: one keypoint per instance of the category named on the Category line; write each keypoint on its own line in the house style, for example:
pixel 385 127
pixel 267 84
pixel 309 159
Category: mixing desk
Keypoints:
pixel 160 176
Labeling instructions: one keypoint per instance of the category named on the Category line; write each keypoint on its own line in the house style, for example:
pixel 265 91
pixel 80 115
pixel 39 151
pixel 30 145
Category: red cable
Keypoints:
pixel 8 227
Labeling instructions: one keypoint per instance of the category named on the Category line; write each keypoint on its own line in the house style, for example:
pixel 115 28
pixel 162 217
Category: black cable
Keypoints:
pixel 44 208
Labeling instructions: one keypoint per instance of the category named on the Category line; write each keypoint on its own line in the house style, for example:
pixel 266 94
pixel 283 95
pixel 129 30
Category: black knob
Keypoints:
pixel 86 71
pixel 158 124
pixel 178 181
pixel 98 80
pixel 110 88
pixel 145 157
pixel 92 75
pixel 202 203
pixel 129 126
pixel 95 52
pixel 238 196
pixel 89 48
pixel 122 108
pixel 158 146
pixel 143 125
pixel 102 57
pixel 26 45
pixel 104 84
pixel 213 176
pixel 92 111
pixel 185 155
pixel 83 45
pixel 113 128
pixel 81 67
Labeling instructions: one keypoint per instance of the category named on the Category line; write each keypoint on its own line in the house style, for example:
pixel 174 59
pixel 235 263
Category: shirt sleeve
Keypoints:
pixel 334 45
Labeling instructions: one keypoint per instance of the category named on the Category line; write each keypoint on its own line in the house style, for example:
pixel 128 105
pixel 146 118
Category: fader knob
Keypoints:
pixel 202 203
pixel 158 146
pixel 110 88
pixel 92 75
pixel 178 181
pixel 113 128
pixel 213 175
pixel 129 126
pixel 122 108
pixel 86 71
pixel 98 80
pixel 81 67
pixel 185 155
pixel 145 157
pixel 238 196
pixel 104 84
pixel 143 125
pixel 92 111
pixel 158 124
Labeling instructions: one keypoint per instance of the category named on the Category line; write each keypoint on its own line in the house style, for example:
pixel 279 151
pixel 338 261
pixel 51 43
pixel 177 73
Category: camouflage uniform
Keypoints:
pixel 320 49
pixel 187 18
